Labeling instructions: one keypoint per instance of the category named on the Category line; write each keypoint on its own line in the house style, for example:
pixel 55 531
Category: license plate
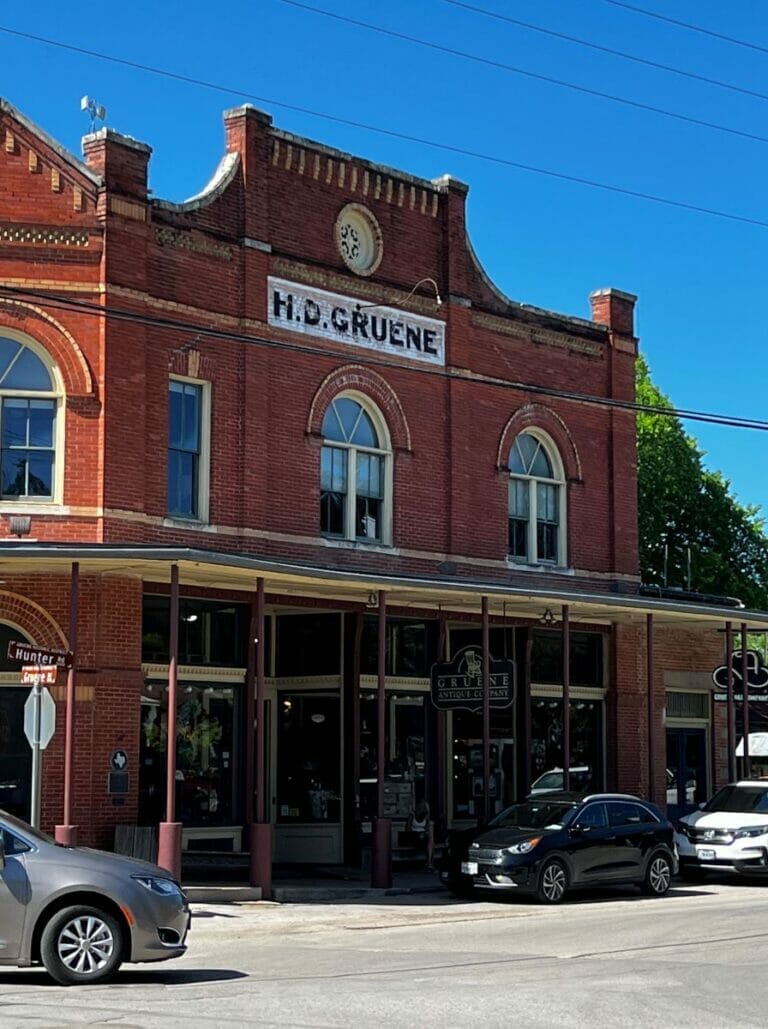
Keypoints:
pixel 705 855
pixel 469 867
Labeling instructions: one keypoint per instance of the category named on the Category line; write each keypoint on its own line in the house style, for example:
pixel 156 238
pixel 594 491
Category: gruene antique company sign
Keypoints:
pixel 315 312
pixel 757 678
pixel 459 683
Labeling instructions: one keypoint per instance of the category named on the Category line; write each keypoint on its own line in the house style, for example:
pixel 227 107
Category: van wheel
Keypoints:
pixel 553 882
pixel 81 944
pixel 658 875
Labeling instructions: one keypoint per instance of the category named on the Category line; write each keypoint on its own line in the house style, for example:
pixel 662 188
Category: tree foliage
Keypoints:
pixel 683 506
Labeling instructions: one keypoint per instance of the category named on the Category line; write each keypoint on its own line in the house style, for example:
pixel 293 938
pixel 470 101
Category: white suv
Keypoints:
pixel 728 834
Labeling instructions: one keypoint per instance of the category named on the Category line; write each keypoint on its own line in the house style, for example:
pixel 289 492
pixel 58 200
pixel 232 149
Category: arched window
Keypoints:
pixel 536 502
pixel 28 408
pixel 354 473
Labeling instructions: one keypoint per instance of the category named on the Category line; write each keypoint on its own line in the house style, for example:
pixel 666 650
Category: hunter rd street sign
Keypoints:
pixel 28 654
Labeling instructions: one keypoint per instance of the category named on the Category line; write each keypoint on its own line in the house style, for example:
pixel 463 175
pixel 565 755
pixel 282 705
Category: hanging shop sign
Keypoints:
pixel 387 330
pixel 757 678
pixel 459 683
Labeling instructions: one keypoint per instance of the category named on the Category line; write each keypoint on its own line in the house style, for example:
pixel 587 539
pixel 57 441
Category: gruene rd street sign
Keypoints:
pixel 39 675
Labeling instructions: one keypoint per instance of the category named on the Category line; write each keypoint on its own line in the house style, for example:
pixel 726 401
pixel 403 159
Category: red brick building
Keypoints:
pixel 303 378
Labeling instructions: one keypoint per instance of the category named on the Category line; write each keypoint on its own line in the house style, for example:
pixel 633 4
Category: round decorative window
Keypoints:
pixel 358 238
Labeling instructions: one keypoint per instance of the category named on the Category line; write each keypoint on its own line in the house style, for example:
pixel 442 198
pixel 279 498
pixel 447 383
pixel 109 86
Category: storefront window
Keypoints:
pixel 308 757
pixel 407 651
pixel 205 754
pixel 586 665
pixel 210 632
pixel 308 644
pixel 15 752
pixel 586 738
pixel 405 769
pixel 501 640
pixel 468 786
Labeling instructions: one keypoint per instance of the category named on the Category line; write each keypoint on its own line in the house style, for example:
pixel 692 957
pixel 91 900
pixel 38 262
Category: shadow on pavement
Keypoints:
pixel 128 977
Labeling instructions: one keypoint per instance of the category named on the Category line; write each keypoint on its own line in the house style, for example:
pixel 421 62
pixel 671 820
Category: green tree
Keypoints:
pixel 682 505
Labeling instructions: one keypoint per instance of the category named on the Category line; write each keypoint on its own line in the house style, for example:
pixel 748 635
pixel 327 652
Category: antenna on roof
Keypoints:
pixel 95 111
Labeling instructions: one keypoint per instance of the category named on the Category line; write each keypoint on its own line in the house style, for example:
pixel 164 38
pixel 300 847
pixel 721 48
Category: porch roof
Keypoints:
pixel 218 569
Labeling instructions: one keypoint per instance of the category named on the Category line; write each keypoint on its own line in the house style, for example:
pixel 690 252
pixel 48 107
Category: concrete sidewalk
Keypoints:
pixel 320 886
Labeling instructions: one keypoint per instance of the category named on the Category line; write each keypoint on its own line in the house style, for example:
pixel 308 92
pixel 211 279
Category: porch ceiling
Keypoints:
pixel 239 572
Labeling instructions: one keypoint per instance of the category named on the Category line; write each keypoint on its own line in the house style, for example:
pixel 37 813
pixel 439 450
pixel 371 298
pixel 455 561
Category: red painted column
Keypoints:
pixel 381 864
pixel 566 698
pixel 651 709
pixel 487 810
pixel 66 833
pixel 747 767
pixel 261 829
pixel 731 708
pixel 169 834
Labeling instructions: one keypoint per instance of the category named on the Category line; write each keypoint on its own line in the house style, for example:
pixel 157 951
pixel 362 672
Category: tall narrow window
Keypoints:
pixel 536 499
pixel 27 424
pixel 185 420
pixel 353 474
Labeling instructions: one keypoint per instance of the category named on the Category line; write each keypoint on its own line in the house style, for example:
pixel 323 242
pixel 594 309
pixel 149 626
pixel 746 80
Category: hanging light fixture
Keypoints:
pixel 547 618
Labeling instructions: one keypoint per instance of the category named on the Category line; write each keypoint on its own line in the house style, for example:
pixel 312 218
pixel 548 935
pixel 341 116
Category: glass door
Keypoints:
pixel 686 770
pixel 308 758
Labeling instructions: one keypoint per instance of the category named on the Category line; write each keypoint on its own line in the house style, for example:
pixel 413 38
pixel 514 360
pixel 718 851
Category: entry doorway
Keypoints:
pixel 687 784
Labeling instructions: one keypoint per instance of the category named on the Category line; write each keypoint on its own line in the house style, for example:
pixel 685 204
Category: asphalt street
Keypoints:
pixel 697 957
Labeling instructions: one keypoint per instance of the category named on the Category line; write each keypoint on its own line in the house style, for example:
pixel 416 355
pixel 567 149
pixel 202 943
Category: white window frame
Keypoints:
pixel 385 452
pixel 532 557
pixel 25 505
pixel 204 468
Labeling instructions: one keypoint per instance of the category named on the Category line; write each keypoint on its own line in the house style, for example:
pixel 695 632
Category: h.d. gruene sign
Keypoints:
pixel 459 683
pixel 316 312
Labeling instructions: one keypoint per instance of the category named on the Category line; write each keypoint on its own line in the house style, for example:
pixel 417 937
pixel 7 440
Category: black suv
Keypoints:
pixel 556 841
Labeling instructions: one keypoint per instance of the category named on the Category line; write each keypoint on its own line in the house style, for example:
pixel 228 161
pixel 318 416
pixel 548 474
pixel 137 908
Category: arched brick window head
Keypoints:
pixel 29 408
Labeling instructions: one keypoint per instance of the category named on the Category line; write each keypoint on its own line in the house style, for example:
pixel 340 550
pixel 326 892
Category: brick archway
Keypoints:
pixel 535 416
pixel 23 318
pixel 34 621
pixel 361 380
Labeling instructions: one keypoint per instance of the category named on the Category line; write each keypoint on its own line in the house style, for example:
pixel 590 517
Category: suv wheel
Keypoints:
pixel 81 944
pixel 658 875
pixel 553 882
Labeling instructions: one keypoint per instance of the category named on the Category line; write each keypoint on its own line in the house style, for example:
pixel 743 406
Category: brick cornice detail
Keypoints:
pixel 536 416
pixel 362 380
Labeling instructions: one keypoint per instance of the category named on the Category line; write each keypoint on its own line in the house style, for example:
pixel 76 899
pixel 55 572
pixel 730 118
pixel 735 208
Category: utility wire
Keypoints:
pixel 688 25
pixel 391 133
pixel 59 302
pixel 608 50
pixel 537 76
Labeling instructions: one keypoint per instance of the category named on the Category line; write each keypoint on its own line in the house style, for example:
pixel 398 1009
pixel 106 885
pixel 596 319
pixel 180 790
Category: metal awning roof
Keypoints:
pixel 211 568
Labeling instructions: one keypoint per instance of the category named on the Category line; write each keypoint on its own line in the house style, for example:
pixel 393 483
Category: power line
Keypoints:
pixel 688 25
pixel 537 76
pixel 391 133
pixel 608 50
pixel 67 303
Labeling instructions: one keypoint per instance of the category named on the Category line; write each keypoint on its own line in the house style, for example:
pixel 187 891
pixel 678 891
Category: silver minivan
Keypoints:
pixel 82 912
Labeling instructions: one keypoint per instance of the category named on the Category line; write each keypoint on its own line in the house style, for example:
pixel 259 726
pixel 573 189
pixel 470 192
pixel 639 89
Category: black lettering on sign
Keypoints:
pixel 378 328
pixel 311 313
pixel 360 324
pixel 278 302
pixel 395 328
pixel 429 339
pixel 413 337
pixel 339 319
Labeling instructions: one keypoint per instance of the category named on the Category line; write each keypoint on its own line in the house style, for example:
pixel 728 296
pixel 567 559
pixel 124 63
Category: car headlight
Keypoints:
pixel 750 832
pixel 682 827
pixel 524 847
pixel 165 887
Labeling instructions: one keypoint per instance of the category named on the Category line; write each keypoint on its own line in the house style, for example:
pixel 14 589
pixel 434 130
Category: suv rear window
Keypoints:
pixel 743 799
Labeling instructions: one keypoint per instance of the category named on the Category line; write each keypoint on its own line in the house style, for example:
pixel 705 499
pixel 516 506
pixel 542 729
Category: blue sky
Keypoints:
pixel 700 279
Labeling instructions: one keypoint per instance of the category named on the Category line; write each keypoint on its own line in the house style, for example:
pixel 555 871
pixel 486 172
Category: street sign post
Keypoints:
pixel 39 727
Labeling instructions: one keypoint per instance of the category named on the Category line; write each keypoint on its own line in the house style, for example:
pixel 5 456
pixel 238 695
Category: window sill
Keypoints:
pixel 45 505
pixel 541 569
pixel 368 548
pixel 169 522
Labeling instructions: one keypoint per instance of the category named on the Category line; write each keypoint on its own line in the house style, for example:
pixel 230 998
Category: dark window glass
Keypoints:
pixel 620 813
pixel 740 799
pixel 210 632
pixel 308 758
pixel 594 816
pixel 13 845
pixel 586 658
pixel 586 740
pixel 406 652
pixel 500 639
pixel 468 762
pixel 308 644
pixel 184 442
pixel 20 368
pixel 27 447
pixel 404 771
